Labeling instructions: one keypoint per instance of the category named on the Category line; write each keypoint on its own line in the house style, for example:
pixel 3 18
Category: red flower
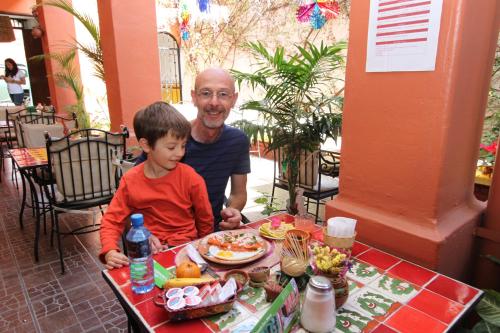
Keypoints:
pixel 492 148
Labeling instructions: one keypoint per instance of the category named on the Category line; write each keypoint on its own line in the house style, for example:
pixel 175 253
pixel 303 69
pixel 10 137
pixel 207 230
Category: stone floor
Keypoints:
pixel 35 297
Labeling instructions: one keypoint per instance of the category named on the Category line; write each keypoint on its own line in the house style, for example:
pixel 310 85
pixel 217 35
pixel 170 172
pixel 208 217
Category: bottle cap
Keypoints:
pixel 320 282
pixel 137 220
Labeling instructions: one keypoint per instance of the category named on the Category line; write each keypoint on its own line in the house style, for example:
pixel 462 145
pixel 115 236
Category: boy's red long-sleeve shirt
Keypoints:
pixel 176 208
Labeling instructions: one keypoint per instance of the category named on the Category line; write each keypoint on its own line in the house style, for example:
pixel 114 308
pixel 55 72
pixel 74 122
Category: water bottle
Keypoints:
pixel 139 254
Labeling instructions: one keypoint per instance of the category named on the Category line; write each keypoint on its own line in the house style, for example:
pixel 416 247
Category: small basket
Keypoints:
pixel 345 243
pixel 195 311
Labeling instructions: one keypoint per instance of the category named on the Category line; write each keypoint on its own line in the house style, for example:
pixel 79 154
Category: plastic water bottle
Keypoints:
pixel 139 254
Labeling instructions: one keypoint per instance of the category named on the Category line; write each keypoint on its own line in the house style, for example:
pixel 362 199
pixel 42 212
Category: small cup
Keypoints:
pixel 259 274
pixel 240 276
pixel 305 222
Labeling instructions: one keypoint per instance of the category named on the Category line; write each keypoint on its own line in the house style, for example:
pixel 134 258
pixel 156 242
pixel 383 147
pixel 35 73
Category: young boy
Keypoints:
pixel 171 195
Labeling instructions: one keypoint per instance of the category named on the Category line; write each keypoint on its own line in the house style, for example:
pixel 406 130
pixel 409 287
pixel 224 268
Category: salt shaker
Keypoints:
pixel 318 310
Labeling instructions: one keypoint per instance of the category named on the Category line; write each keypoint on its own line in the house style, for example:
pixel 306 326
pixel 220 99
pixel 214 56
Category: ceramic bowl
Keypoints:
pixel 259 274
pixel 240 276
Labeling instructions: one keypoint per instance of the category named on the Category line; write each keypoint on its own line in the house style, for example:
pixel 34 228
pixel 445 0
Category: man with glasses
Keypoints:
pixel 216 151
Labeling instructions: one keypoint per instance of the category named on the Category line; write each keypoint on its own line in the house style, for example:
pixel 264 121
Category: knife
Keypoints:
pixel 195 256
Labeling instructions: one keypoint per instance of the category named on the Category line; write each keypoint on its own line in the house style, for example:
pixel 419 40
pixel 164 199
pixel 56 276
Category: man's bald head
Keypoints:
pixel 214 74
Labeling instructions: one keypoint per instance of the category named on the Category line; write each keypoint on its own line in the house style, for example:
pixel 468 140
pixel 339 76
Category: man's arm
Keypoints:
pixel 238 196
pixel 237 199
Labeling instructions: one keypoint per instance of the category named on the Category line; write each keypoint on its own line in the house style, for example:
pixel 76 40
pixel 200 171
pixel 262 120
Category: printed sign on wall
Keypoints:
pixel 403 35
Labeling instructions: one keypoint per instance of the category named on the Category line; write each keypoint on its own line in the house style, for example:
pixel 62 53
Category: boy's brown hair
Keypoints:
pixel 157 120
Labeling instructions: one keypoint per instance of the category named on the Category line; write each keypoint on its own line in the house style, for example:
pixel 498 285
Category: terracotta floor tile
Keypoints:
pixel 58 320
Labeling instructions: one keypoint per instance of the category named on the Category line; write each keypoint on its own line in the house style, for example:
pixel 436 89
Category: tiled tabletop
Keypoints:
pixel 386 294
pixel 29 157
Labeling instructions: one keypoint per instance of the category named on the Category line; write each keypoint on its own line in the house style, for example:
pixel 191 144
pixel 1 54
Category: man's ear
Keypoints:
pixel 193 97
pixel 145 145
pixel 235 98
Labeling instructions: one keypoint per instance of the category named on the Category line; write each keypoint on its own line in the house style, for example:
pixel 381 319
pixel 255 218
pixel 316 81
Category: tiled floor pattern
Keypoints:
pixel 35 297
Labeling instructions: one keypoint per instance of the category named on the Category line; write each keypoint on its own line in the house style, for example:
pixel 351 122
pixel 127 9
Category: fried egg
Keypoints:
pixel 235 255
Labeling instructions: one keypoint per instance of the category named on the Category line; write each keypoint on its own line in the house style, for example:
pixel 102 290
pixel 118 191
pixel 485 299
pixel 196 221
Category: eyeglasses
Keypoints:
pixel 209 94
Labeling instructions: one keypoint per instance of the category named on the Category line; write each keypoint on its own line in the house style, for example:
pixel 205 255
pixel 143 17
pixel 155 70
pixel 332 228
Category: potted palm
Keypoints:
pixel 299 109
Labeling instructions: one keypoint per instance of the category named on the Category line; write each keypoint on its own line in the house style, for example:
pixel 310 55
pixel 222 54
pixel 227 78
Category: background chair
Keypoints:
pixel 33 127
pixel 83 174
pixel 318 176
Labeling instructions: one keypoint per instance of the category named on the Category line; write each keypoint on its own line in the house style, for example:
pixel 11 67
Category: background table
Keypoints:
pixel 27 160
pixel 387 294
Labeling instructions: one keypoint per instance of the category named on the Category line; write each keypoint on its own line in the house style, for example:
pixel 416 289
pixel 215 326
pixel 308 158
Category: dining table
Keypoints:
pixel 386 294
pixel 29 161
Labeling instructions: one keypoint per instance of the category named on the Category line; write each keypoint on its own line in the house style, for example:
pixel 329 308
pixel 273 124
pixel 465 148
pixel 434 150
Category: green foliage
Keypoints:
pixel 69 77
pixel 491 127
pixel 92 50
pixel 300 109
pixel 489 311
pixel 255 132
pixel 269 208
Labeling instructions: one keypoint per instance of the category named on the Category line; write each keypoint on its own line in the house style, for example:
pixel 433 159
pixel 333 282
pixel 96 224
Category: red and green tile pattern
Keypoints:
pixel 386 295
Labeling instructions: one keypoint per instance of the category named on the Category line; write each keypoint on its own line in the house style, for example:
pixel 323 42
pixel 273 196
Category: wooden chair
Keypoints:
pixel 83 175
pixel 318 175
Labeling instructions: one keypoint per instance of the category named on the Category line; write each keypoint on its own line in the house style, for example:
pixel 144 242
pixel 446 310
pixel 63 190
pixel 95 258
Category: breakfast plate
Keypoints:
pixel 232 247
pixel 278 233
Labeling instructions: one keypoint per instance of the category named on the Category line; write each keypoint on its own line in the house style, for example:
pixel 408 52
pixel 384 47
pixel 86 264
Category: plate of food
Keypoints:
pixel 278 232
pixel 232 247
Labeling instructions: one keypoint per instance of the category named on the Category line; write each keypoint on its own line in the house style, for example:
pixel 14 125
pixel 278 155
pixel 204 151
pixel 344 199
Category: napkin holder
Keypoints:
pixel 345 243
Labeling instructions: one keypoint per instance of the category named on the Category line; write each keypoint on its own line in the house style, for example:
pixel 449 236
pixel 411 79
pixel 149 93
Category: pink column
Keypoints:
pixel 59 31
pixel 131 63
pixel 410 141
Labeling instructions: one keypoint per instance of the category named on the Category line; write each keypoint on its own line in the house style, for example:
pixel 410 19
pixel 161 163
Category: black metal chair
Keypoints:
pixel 318 176
pixel 32 127
pixel 82 174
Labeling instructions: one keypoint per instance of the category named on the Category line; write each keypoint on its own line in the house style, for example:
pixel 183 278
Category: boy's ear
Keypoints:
pixel 145 145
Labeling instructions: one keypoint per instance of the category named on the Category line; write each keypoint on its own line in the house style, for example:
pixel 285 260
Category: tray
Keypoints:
pixel 192 312
pixel 203 248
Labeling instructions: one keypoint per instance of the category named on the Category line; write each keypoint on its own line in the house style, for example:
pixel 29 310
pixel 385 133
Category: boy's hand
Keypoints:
pixel 156 245
pixel 231 218
pixel 115 259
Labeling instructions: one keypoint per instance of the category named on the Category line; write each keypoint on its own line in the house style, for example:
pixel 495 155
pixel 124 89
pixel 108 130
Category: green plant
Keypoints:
pixel 271 205
pixel 489 311
pixel 300 109
pixel 92 50
pixel 68 77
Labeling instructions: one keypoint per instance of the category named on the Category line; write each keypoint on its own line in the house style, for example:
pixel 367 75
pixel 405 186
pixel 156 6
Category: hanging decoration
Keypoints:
pixel 317 12
pixel 185 16
pixel 203 5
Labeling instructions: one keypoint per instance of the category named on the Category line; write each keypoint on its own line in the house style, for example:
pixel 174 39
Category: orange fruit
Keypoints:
pixel 187 269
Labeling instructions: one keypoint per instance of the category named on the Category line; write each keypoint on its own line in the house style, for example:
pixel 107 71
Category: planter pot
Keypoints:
pixel 486 170
pixel 341 288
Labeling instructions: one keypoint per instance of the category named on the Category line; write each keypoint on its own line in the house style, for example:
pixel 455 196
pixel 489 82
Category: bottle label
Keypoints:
pixel 138 270
pixel 138 249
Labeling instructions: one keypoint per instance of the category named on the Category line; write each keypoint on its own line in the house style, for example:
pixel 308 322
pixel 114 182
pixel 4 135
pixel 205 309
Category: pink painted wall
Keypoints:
pixel 410 141
pixel 131 62
pixel 59 30
pixel 20 7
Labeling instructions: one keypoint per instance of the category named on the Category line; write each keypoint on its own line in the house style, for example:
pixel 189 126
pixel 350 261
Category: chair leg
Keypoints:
pixel 272 195
pixel 59 247
pixel 317 210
